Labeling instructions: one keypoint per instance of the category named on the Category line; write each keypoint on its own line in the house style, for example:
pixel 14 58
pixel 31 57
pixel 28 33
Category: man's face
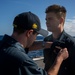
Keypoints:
pixel 52 22
pixel 31 38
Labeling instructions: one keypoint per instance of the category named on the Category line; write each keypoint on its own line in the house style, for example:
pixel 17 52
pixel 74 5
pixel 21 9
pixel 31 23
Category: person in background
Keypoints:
pixel 13 57
pixel 55 19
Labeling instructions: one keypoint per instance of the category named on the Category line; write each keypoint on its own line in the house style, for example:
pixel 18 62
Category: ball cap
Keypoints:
pixel 27 21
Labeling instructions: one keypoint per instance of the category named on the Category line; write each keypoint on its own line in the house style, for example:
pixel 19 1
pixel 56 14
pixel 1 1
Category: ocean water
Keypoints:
pixel 35 53
pixel 1 36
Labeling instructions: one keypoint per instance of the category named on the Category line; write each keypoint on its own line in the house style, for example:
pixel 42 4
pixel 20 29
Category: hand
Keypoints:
pixel 63 53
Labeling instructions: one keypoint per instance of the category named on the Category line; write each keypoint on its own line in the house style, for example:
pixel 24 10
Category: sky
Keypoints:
pixel 10 8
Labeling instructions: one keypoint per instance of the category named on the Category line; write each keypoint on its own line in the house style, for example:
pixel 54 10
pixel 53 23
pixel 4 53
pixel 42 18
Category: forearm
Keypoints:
pixel 55 67
pixel 62 55
pixel 37 45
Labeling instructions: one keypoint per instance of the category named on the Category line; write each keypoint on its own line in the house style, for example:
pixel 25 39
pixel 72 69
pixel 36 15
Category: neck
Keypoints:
pixel 56 34
pixel 20 39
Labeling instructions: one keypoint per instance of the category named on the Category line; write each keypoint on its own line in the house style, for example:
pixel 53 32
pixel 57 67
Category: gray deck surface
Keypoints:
pixel 39 61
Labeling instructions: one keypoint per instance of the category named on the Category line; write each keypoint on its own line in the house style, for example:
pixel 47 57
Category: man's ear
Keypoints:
pixel 61 20
pixel 29 32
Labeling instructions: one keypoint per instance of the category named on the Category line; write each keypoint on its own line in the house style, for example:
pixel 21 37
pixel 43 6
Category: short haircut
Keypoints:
pixel 60 11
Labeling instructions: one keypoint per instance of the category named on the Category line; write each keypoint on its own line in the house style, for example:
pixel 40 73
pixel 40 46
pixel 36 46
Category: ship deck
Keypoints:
pixel 39 61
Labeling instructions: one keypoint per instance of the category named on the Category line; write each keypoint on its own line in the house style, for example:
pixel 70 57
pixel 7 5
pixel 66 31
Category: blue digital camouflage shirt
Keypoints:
pixel 15 61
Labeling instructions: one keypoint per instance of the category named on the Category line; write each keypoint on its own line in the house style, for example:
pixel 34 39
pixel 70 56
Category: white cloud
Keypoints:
pixel 70 26
pixel 74 17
